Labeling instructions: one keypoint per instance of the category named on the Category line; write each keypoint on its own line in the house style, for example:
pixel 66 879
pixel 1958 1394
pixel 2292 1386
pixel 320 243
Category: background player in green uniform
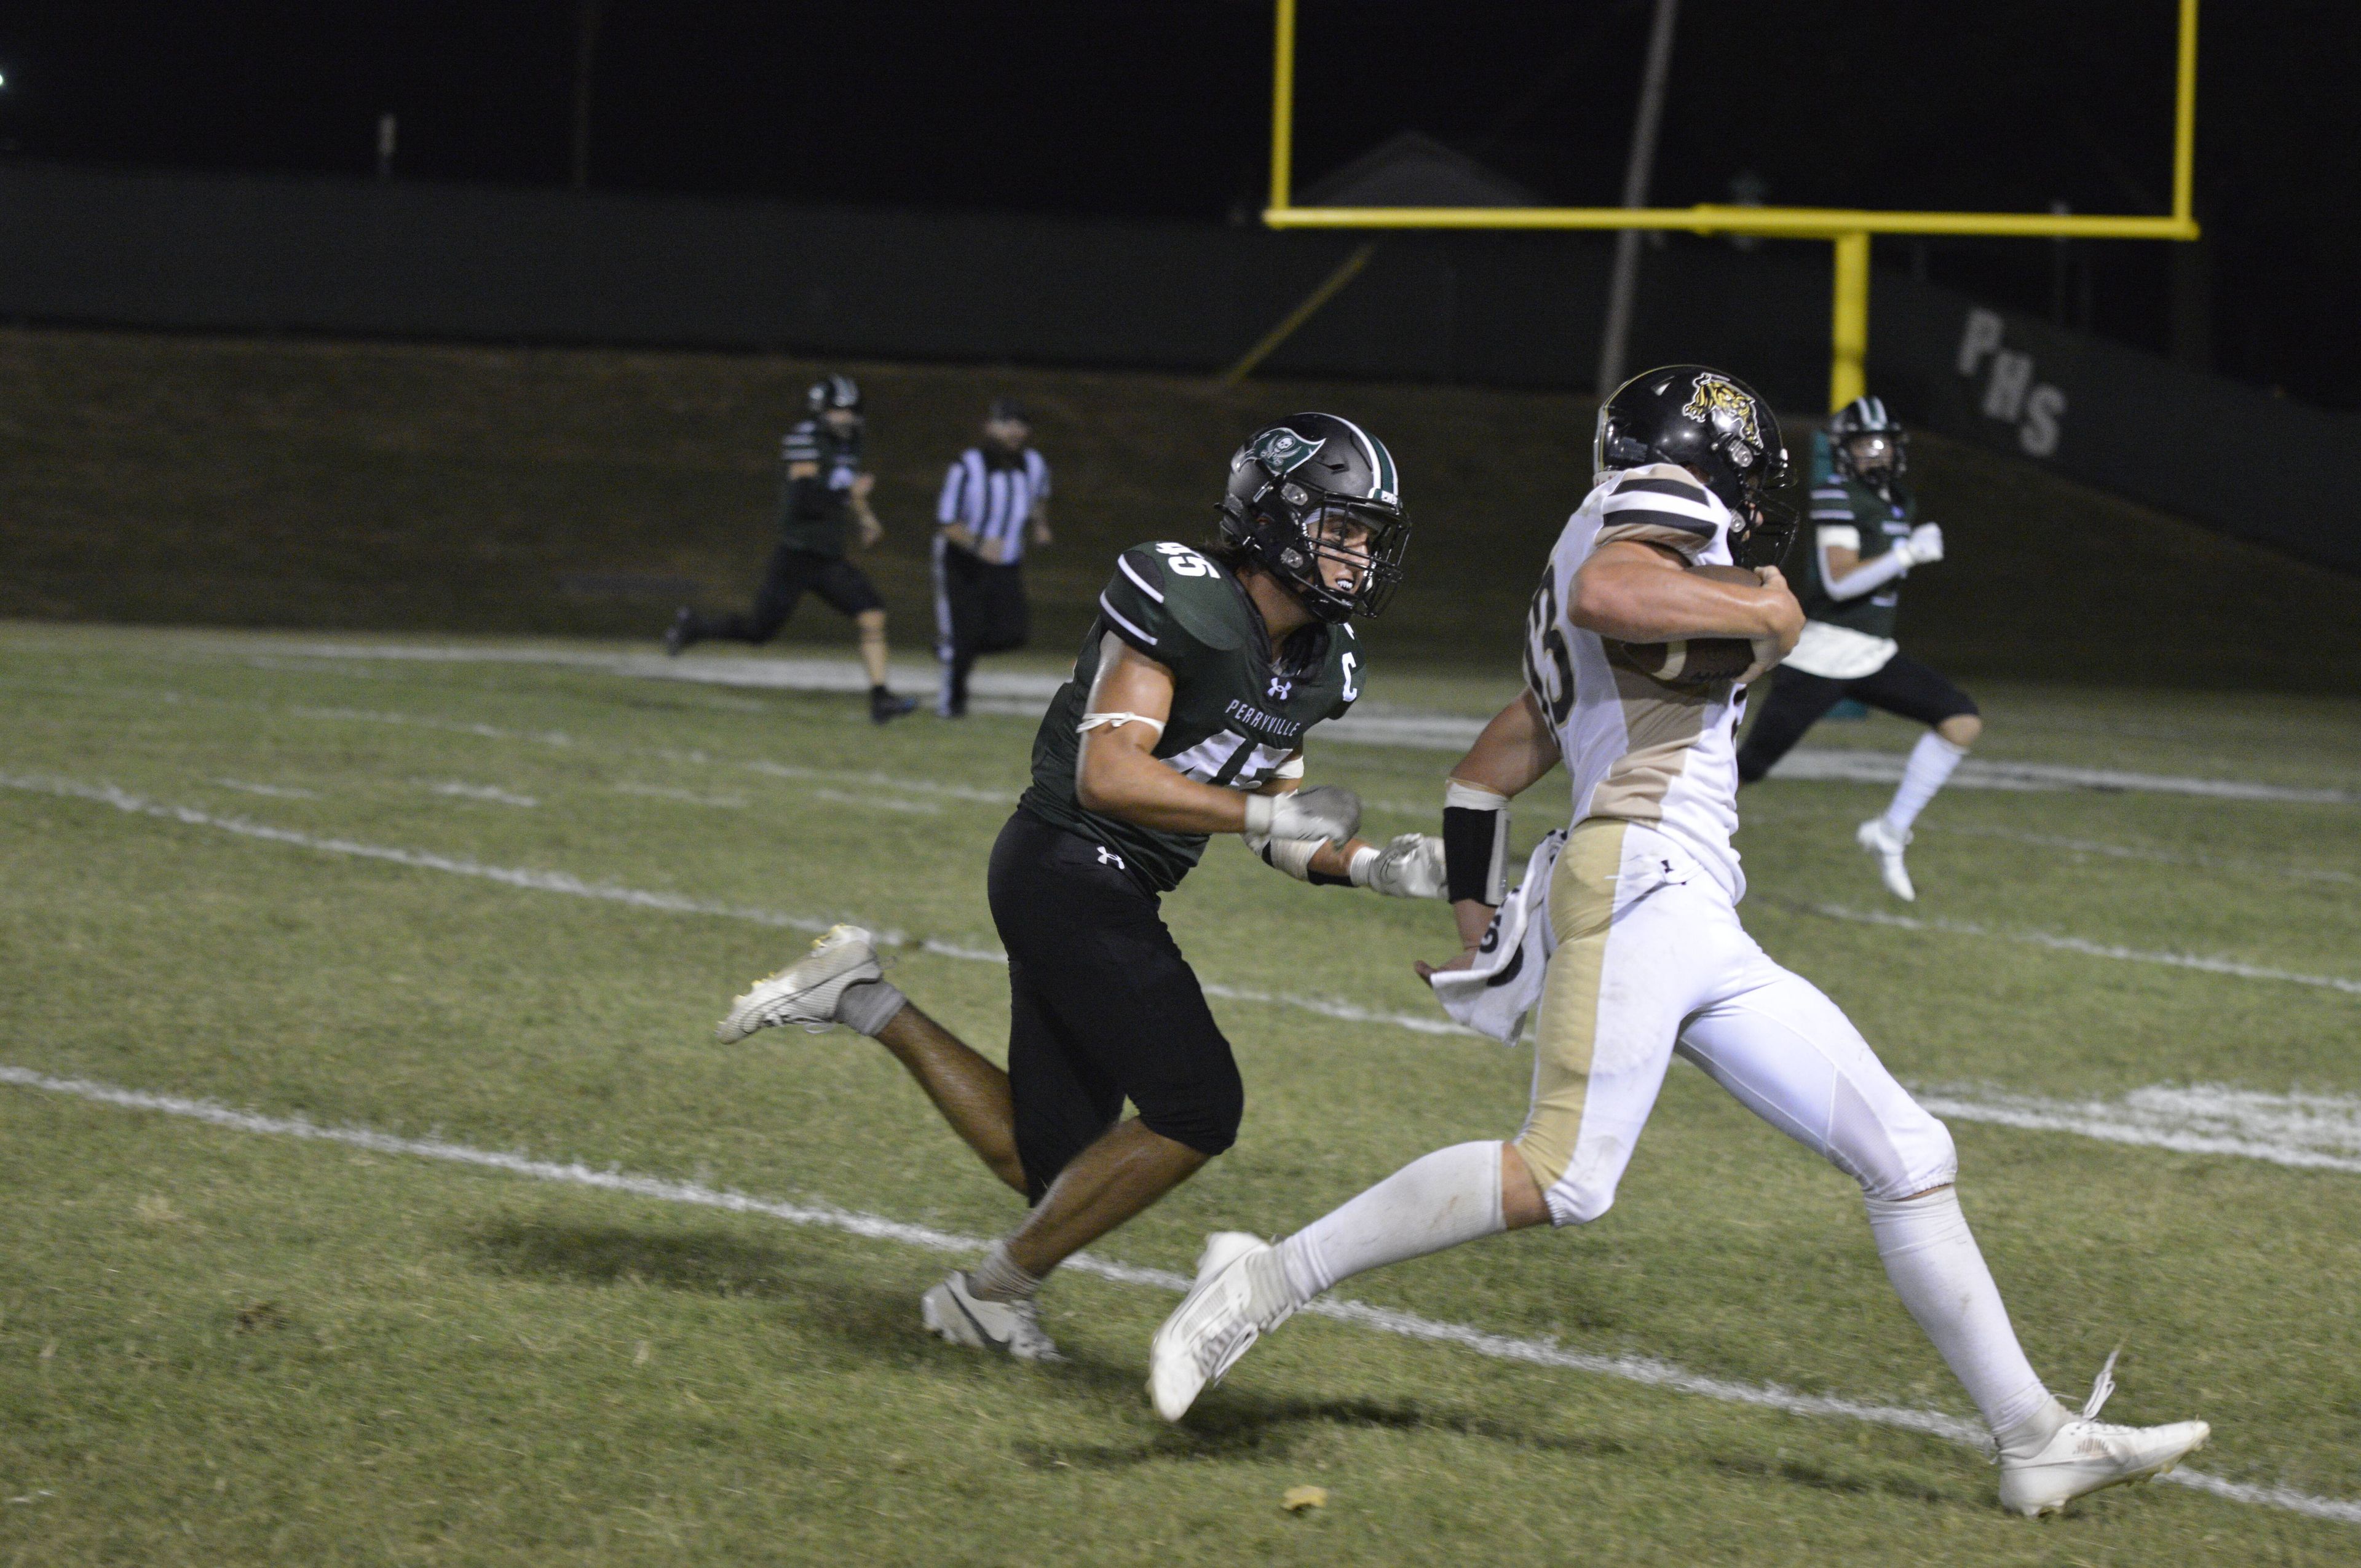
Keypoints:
pixel 1185 717
pixel 823 498
pixel 1866 537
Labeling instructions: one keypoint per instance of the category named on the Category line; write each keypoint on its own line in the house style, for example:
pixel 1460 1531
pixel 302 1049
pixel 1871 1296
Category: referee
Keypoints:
pixel 995 503
pixel 823 494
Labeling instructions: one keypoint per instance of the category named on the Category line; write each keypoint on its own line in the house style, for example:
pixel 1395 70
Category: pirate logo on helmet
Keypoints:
pixel 1282 451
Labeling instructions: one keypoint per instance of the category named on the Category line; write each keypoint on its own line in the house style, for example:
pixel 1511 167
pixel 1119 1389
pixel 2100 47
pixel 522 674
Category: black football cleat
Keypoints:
pixel 683 633
pixel 884 707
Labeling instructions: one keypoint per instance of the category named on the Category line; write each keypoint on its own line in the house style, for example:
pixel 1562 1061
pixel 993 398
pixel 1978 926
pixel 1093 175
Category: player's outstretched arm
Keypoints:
pixel 1410 866
pixel 1117 774
pixel 1636 592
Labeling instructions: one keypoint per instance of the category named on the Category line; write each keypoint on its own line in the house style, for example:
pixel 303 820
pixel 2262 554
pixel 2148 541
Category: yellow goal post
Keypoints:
pixel 1848 229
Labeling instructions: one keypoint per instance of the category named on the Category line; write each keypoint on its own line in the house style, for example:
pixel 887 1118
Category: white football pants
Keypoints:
pixel 1651 960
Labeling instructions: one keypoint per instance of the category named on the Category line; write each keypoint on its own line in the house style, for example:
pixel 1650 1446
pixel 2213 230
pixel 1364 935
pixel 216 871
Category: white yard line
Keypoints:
pixel 684 796
pixel 2306 1132
pixel 2064 944
pixel 876 802
pixel 2151 856
pixel 2215 1122
pixel 1644 1370
pixel 1885 768
pixel 276 792
pixel 456 790
pixel 576 887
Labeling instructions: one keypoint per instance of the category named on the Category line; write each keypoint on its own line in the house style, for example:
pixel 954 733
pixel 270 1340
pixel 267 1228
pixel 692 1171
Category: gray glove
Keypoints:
pixel 1323 811
pixel 1410 867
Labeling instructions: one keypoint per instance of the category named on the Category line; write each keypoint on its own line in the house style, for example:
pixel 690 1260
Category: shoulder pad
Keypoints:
pixel 1166 597
pixel 1661 500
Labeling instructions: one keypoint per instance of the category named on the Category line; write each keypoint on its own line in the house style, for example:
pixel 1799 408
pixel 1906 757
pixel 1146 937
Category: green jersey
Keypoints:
pixel 1239 708
pixel 815 511
pixel 1874 525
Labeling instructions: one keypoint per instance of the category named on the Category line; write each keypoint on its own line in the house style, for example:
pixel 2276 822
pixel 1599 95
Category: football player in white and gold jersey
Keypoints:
pixel 1649 957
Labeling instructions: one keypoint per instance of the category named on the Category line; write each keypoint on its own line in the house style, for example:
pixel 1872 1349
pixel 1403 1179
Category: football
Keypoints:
pixel 1691 661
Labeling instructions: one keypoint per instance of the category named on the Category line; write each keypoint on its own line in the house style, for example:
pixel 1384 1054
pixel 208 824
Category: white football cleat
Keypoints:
pixel 2087 1454
pixel 808 990
pixel 1887 845
pixel 952 1310
pixel 1240 1296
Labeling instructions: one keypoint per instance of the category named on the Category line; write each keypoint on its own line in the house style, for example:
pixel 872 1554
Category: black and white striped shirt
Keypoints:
pixel 993 498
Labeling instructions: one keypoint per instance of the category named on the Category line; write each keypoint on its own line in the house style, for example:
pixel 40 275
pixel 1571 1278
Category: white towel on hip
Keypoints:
pixel 1495 996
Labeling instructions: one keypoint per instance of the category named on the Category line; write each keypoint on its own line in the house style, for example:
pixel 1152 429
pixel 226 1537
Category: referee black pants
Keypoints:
pixel 979 609
pixel 1798 700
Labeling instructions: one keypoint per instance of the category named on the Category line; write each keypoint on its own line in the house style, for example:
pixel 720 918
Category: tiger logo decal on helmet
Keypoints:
pixel 1714 393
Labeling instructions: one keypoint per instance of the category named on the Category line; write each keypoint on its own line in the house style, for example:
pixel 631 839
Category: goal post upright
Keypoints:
pixel 1846 229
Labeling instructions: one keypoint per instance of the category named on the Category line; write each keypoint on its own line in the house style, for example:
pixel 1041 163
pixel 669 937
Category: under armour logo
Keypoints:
pixel 1280 688
pixel 1109 857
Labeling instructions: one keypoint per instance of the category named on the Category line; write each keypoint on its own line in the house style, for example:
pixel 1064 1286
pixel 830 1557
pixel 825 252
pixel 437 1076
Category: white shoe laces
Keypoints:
pixel 2100 1386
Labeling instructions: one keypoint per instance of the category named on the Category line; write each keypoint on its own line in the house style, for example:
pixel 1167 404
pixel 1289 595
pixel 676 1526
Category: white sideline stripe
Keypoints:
pixel 672 902
pixel 2065 944
pixel 1382 726
pixel 2308 1131
pixel 1646 1371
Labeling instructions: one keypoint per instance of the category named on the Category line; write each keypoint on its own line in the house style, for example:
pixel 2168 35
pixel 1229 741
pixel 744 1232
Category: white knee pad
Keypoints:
pixel 1923 1158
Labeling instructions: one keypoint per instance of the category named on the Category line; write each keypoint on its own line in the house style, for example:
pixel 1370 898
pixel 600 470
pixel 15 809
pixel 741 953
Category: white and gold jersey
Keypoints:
pixel 1639 750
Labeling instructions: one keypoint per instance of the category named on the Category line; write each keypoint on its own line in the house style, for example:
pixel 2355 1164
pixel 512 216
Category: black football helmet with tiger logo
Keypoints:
pixel 1719 428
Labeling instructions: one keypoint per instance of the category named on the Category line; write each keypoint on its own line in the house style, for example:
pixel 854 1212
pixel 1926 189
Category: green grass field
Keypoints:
pixel 497 906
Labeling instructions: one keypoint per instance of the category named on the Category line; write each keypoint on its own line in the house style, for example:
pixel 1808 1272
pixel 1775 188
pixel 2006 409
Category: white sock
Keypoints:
pixel 1931 761
pixel 997 1278
pixel 1439 1200
pixel 1940 1272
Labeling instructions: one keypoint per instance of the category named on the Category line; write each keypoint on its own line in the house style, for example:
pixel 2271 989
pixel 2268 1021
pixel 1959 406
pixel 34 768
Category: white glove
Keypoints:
pixel 1925 544
pixel 1323 811
pixel 1410 867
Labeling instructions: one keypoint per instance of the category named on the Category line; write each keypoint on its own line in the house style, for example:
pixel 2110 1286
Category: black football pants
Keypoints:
pixel 790 573
pixel 1798 700
pixel 1102 1007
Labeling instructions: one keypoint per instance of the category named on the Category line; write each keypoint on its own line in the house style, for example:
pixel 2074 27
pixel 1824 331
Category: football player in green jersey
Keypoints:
pixel 1186 717
pixel 1866 536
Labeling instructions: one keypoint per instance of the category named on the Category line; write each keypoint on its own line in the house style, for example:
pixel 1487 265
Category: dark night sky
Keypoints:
pixel 1159 107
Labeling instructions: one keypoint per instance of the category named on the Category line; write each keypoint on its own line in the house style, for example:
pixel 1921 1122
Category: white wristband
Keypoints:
pixel 1364 862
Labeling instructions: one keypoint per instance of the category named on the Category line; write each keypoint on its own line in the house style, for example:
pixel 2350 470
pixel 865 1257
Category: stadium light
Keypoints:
pixel 1848 229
